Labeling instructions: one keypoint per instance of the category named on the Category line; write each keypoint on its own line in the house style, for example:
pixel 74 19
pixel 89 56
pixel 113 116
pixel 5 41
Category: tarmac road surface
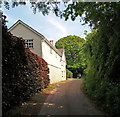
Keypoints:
pixel 68 99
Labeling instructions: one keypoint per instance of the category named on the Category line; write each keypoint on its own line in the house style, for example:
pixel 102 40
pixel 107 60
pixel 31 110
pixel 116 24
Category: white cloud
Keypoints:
pixel 29 10
pixel 11 20
pixel 52 27
pixel 52 34
pixel 57 24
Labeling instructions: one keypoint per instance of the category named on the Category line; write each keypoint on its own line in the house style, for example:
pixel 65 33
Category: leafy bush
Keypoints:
pixel 69 74
pixel 102 80
pixel 23 72
pixel 105 93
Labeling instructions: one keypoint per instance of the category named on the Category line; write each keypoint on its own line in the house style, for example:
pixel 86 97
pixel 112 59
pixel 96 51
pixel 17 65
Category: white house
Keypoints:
pixel 42 47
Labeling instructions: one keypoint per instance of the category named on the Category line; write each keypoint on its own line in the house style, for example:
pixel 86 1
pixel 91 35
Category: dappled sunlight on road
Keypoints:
pixel 68 99
pixel 49 104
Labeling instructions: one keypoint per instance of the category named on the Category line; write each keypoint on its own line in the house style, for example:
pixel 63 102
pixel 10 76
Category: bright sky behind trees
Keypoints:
pixel 52 27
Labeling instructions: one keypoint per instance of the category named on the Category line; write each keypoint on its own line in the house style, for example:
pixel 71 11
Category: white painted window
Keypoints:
pixel 56 55
pixel 62 73
pixel 62 63
pixel 50 50
pixel 29 43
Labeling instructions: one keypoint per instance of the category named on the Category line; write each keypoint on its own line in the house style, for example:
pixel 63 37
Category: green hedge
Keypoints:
pixel 69 73
pixel 23 72
pixel 102 80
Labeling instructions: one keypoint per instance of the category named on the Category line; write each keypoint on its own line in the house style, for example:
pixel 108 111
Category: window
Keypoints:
pixel 51 50
pixel 56 55
pixel 62 73
pixel 29 43
pixel 62 63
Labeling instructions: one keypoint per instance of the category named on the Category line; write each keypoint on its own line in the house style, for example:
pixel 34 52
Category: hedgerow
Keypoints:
pixel 102 80
pixel 23 72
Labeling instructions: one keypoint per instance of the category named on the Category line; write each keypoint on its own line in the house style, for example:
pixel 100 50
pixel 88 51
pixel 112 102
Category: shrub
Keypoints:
pixel 23 72
pixel 106 94
pixel 102 80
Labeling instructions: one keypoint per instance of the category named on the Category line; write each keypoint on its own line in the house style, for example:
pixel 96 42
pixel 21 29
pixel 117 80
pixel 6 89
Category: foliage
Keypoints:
pixel 102 73
pixel 69 73
pixel 23 72
pixel 73 52
pixel 95 13
pixel 102 49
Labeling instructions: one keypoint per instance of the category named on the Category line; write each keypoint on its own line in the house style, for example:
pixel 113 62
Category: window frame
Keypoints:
pixel 62 64
pixel 56 55
pixel 50 50
pixel 62 74
pixel 29 43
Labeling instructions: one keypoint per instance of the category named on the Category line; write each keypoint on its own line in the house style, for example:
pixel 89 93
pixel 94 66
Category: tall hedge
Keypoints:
pixel 102 80
pixel 23 72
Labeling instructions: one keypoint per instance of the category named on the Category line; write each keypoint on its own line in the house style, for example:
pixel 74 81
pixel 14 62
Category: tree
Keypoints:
pixel 95 13
pixel 102 47
pixel 73 51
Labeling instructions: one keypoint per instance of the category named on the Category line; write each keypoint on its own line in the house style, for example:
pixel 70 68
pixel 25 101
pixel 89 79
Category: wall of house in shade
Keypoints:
pixel 21 31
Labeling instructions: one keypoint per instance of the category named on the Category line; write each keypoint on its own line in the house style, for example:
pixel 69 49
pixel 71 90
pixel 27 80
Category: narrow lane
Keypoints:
pixel 68 99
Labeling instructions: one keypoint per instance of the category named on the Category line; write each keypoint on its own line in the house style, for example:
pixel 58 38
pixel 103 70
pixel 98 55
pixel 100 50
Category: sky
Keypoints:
pixel 51 26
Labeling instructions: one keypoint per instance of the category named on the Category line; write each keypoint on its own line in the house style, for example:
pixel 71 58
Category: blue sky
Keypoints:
pixel 52 27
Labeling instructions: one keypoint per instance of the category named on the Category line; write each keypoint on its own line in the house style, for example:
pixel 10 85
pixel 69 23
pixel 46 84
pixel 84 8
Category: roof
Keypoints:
pixel 61 50
pixel 36 32
pixel 19 21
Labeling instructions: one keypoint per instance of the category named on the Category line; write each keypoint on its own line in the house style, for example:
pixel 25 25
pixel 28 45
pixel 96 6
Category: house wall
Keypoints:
pixel 21 31
pixel 63 67
pixel 41 48
pixel 55 74
pixel 54 61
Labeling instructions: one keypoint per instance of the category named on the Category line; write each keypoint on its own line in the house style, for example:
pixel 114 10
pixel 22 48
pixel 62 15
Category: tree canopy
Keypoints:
pixel 95 13
pixel 101 48
pixel 73 51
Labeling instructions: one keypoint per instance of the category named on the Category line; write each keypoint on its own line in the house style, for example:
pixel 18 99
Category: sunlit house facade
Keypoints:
pixel 42 47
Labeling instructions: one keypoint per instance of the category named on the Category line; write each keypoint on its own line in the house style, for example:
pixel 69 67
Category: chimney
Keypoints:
pixel 51 41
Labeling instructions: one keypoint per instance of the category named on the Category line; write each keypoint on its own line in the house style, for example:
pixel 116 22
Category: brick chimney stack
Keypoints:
pixel 51 41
